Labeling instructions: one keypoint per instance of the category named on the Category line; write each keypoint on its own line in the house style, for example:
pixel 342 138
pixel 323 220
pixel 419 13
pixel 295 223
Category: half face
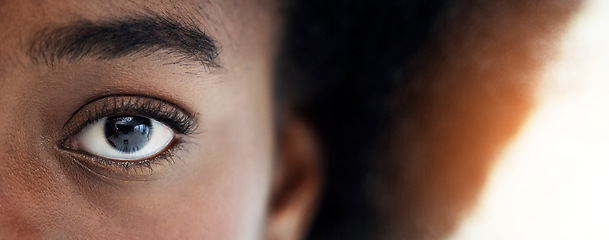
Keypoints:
pixel 135 119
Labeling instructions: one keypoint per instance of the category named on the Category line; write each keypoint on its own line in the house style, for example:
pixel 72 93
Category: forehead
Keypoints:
pixel 37 10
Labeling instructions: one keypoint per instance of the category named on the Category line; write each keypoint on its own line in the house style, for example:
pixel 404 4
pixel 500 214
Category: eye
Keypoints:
pixel 124 138
pixel 127 137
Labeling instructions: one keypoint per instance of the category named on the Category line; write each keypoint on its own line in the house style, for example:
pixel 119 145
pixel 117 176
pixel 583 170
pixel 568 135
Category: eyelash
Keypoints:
pixel 173 116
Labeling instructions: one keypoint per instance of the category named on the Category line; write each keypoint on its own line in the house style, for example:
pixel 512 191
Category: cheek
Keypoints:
pixel 245 150
pixel 223 191
pixel 220 187
pixel 32 190
pixel 235 178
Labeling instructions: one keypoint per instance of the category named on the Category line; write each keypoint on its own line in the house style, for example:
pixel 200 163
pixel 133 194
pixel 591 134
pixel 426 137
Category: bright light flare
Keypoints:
pixel 552 180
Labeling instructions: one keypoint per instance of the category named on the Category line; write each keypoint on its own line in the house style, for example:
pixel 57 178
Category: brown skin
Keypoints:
pixel 466 95
pixel 231 179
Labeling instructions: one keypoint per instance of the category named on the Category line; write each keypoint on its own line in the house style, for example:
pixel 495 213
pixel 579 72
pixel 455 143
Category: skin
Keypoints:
pixel 469 93
pixel 230 181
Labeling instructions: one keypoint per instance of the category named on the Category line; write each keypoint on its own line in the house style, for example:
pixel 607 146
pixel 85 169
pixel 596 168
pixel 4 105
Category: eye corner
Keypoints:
pixel 67 143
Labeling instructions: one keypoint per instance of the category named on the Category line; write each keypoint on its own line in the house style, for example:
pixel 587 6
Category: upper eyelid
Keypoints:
pixel 121 96
pixel 132 104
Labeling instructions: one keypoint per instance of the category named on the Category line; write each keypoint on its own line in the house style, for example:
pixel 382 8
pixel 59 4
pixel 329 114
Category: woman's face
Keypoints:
pixel 135 119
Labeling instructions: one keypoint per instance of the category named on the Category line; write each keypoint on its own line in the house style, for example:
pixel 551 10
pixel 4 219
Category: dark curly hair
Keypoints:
pixel 338 66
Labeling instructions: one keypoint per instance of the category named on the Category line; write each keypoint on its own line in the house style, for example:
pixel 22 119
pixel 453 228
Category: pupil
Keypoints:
pixel 127 133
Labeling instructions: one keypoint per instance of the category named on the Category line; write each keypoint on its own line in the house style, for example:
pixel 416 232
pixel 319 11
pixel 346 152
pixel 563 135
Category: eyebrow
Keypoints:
pixel 113 39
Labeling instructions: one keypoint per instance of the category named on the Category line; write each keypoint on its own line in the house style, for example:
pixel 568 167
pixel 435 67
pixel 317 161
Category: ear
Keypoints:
pixel 297 181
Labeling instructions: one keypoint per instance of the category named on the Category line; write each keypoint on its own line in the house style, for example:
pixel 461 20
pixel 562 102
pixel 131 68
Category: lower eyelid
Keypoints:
pixel 142 170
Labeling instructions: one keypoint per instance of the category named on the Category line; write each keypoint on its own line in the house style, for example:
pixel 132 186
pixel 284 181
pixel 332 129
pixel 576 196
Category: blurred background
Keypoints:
pixel 463 119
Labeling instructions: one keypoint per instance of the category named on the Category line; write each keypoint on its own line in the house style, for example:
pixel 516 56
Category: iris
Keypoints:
pixel 127 133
